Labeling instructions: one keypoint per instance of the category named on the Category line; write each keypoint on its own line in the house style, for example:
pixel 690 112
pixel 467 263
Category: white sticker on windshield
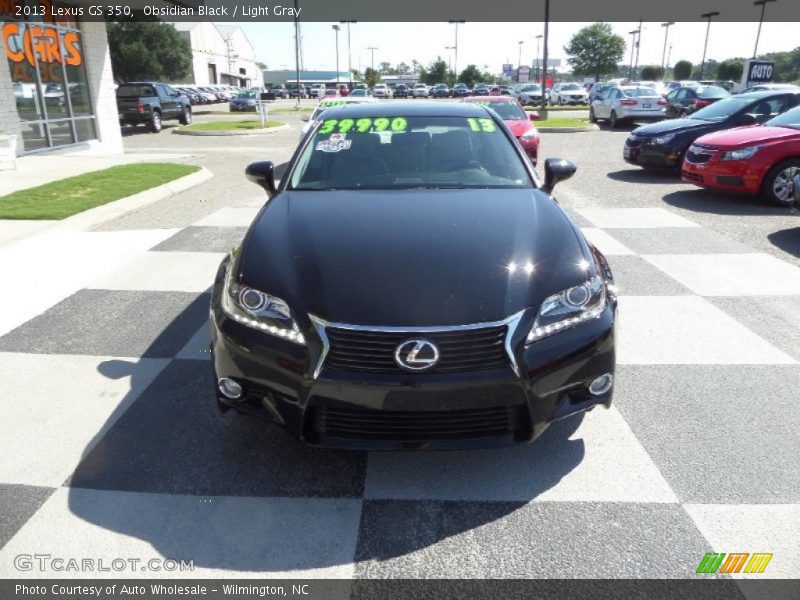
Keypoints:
pixel 335 143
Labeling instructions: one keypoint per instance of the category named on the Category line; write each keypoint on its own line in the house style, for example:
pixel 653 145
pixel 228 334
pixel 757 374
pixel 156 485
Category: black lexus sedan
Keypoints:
pixel 664 144
pixel 411 284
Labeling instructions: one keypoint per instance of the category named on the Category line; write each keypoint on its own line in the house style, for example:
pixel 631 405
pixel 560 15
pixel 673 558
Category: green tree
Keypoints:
pixel 148 50
pixel 385 68
pixel 595 50
pixel 435 73
pixel 709 70
pixel 730 70
pixel 402 68
pixel 371 76
pixel 652 73
pixel 682 70
pixel 470 76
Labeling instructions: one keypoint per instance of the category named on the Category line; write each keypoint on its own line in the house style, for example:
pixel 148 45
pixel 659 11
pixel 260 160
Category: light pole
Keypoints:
pixel 349 56
pixel 519 58
pixel 455 46
pixel 638 47
pixel 666 27
pixel 297 51
pixel 544 61
pixel 538 44
pixel 450 56
pixel 709 16
pixel 372 56
pixel 336 29
pixel 633 45
pixel 763 5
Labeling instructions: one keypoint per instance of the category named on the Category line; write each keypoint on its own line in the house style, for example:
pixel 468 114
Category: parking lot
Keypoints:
pixel 697 454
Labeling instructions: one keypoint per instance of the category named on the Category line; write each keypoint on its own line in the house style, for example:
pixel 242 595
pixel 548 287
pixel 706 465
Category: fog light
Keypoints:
pixel 229 388
pixel 601 385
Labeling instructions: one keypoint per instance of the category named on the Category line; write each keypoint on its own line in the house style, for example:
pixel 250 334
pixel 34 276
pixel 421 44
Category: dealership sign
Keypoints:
pixel 27 45
pixel 757 71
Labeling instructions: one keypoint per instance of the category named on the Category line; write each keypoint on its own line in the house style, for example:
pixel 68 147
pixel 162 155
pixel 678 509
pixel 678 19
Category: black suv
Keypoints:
pixel 401 90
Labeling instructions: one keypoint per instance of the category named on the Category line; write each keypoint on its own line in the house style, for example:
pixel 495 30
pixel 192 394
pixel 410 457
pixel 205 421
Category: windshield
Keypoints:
pixel 508 111
pixel 408 153
pixel 570 86
pixel 135 90
pixel 719 111
pixel 646 92
pixel 712 91
pixel 530 88
pixel 790 119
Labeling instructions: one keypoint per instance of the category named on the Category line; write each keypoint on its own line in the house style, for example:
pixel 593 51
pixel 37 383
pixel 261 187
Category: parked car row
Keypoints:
pixel 211 94
pixel 747 143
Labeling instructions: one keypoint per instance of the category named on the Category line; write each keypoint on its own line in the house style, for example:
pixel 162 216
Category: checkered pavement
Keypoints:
pixel 113 446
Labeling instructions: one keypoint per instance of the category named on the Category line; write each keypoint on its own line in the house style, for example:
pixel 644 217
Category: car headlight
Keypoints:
pixel 569 308
pixel 531 134
pixel 259 310
pixel 664 139
pixel 740 154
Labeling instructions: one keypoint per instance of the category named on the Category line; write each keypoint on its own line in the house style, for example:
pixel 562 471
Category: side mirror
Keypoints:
pixel 305 118
pixel 262 173
pixel 746 119
pixel 555 170
pixel 534 116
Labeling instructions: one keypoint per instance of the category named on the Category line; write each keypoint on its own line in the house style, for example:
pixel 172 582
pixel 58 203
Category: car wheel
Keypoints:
pixel 612 120
pixel 592 116
pixel 186 117
pixel 560 102
pixel 778 185
pixel 155 122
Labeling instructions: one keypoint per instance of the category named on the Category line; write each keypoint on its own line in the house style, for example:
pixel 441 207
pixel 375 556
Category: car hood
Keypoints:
pixel 519 127
pixel 676 126
pixel 412 258
pixel 747 136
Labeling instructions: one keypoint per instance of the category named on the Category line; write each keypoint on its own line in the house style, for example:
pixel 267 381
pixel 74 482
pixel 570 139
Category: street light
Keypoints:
pixel 336 28
pixel 546 35
pixel 450 57
pixel 519 58
pixel 297 51
pixel 709 16
pixel 638 47
pixel 372 56
pixel 349 59
pixel 455 46
pixel 633 45
pixel 666 27
pixel 538 44
pixel 763 5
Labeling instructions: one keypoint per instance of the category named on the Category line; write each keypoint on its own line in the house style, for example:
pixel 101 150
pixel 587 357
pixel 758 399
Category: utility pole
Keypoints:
pixel 372 56
pixel 709 16
pixel 666 27
pixel 519 58
pixel 763 5
pixel 449 57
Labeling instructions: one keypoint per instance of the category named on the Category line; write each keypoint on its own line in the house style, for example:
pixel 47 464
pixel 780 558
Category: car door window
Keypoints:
pixel 766 109
pixel 170 91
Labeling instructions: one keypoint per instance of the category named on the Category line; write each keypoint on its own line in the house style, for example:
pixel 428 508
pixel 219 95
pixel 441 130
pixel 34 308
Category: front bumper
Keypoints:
pixel 727 176
pixel 390 411
pixel 646 154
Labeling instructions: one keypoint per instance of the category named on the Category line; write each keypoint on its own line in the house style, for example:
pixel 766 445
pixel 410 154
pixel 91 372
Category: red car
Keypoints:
pixel 516 119
pixel 344 90
pixel 758 160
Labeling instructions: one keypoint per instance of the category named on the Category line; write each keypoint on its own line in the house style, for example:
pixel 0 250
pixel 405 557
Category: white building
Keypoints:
pixel 221 54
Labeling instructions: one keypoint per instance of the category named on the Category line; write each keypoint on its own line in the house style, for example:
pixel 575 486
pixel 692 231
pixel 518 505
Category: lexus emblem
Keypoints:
pixel 416 355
